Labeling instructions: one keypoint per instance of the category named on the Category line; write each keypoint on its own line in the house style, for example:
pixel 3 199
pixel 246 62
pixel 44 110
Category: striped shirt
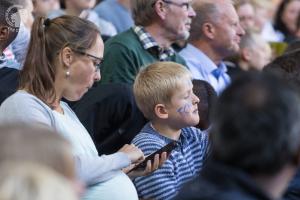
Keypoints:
pixel 184 162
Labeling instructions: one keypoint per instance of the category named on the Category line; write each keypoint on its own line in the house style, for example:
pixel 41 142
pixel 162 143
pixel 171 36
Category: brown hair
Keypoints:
pixel 48 38
pixel 143 12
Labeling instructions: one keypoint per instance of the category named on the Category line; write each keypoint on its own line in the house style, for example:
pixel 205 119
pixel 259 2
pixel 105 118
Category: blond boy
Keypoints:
pixel 164 93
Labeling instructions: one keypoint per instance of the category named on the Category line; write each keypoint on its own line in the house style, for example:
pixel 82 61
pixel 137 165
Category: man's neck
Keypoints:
pixel 159 36
pixel 208 51
pixel 275 185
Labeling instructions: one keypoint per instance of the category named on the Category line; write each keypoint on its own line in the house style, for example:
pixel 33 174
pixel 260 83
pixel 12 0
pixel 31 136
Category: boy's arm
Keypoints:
pixel 160 185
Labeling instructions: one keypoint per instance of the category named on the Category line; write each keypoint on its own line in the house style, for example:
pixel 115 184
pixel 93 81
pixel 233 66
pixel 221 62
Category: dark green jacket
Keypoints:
pixel 124 55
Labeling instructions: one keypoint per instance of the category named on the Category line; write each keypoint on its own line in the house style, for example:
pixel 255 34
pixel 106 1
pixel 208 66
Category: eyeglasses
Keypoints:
pixel 185 5
pixel 96 60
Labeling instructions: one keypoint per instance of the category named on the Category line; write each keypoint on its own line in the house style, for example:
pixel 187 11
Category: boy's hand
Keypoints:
pixel 133 152
pixel 151 167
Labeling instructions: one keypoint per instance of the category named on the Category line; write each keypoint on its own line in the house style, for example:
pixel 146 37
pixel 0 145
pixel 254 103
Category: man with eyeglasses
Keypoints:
pixel 158 24
pixel 215 35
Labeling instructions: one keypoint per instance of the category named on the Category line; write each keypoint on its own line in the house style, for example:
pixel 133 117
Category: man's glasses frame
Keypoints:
pixel 185 5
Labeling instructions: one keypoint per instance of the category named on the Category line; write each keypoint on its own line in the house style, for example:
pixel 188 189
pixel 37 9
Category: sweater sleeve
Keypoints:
pixel 162 183
pixel 93 170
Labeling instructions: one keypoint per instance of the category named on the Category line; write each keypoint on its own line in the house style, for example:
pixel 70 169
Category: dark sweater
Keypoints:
pixel 9 80
pixel 124 55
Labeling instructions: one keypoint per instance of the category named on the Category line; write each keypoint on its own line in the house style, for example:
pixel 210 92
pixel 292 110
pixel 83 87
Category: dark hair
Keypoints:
pixel 48 38
pixel 256 124
pixel 278 23
pixel 287 66
pixel 207 95
pixel 8 8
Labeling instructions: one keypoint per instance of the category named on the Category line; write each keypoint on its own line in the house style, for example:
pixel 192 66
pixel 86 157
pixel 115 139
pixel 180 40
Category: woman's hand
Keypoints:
pixel 151 166
pixel 133 152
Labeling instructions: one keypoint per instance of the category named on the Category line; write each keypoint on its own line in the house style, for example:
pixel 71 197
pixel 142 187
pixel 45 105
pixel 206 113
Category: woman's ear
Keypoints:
pixel 161 111
pixel 67 56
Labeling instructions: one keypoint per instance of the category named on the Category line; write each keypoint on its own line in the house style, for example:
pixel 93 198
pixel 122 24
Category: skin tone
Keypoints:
pixel 223 35
pixel 256 57
pixel 290 14
pixel 43 7
pixel 246 15
pixel 75 7
pixel 182 111
pixel 125 3
pixel 175 19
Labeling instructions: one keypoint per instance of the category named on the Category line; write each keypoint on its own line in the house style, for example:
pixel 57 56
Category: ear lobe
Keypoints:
pixel 209 30
pixel 4 32
pixel 67 56
pixel 161 111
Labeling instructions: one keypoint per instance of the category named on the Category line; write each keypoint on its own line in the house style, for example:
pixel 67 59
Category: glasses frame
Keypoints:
pixel 185 5
pixel 99 60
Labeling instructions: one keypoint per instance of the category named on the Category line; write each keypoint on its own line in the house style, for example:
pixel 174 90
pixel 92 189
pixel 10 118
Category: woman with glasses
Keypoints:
pixel 63 61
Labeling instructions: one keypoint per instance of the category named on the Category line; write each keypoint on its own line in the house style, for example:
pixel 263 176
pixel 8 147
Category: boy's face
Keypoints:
pixel 183 109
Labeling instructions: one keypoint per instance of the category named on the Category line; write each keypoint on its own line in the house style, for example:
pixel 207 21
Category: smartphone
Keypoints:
pixel 168 149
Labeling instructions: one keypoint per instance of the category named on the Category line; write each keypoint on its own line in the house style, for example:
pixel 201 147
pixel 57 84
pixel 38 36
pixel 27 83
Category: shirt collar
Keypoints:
pixel 149 43
pixel 204 60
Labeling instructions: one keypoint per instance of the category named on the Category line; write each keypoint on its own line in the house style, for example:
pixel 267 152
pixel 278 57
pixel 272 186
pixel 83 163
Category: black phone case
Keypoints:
pixel 168 148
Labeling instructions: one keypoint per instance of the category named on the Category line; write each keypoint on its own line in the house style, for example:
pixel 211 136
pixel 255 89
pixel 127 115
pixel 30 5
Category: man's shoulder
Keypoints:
pixel 126 38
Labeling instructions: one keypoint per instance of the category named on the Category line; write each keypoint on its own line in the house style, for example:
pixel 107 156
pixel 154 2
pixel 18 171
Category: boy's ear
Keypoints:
pixel 161 111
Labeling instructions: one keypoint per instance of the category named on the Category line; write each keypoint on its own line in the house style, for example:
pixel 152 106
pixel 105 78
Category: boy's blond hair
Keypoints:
pixel 156 84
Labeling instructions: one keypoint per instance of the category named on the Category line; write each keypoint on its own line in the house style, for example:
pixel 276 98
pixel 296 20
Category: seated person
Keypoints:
pixel 207 95
pixel 287 66
pixel 254 54
pixel 171 107
pixel 65 65
pixel 255 142
pixel 8 76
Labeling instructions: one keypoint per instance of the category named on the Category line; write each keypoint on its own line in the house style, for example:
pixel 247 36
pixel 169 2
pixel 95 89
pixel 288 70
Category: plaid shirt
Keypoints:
pixel 149 44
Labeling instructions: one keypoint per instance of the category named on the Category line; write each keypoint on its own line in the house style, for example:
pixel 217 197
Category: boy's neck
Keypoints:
pixel 166 130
